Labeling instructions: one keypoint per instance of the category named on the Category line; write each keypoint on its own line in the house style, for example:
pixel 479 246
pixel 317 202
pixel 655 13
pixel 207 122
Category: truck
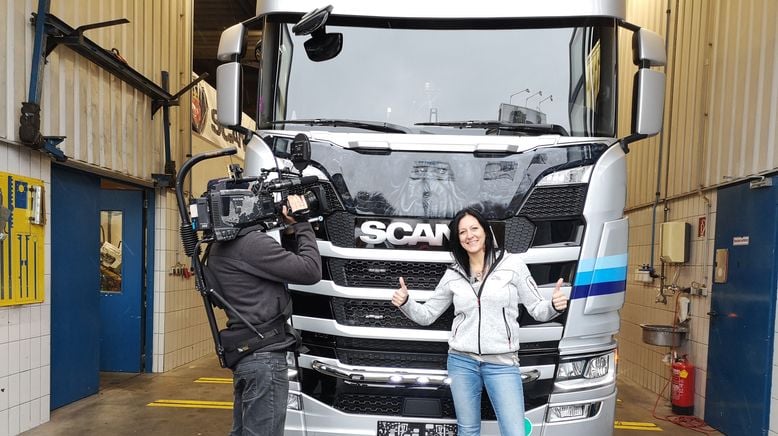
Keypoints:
pixel 414 110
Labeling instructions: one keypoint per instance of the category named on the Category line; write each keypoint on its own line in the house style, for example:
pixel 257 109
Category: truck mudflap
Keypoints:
pixel 318 419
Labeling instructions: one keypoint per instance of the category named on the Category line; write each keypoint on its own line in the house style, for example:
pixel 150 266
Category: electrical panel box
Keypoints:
pixel 674 245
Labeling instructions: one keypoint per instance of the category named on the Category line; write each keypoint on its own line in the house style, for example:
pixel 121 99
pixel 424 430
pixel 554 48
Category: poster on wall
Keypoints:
pixel 22 220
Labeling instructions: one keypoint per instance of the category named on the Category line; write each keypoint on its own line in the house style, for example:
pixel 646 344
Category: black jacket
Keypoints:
pixel 252 271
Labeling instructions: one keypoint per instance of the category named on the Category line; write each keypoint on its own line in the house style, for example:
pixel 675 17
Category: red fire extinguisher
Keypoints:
pixel 682 387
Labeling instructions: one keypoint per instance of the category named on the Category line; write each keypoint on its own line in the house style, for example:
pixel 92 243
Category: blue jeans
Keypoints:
pixel 503 383
pixel 261 387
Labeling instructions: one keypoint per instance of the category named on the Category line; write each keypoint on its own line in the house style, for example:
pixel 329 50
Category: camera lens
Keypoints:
pixel 312 200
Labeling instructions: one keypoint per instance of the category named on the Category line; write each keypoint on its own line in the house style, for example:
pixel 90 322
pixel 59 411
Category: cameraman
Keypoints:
pixel 252 272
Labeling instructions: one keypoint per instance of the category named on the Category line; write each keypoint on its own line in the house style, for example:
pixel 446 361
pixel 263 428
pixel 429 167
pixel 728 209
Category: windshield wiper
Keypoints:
pixel 337 122
pixel 501 125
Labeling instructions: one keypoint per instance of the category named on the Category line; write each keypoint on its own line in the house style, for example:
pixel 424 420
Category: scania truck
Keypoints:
pixel 414 110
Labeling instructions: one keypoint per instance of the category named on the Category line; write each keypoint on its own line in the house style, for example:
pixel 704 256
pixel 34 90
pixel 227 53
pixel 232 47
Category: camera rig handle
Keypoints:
pixel 188 235
pixel 192 249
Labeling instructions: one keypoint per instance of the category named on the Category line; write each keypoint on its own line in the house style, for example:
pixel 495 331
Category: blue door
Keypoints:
pixel 75 278
pixel 121 279
pixel 742 313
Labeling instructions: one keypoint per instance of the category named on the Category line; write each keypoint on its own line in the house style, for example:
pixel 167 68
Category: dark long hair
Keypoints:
pixel 459 253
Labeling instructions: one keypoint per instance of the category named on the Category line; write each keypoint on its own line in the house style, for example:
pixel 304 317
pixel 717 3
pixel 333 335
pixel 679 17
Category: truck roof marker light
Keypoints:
pixel 447 381
pixel 396 378
pixel 423 380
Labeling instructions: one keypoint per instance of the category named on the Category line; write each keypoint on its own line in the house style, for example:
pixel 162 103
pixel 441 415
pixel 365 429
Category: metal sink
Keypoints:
pixel 664 335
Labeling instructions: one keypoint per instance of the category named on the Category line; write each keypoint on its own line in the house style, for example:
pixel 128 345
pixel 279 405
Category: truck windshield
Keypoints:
pixel 444 78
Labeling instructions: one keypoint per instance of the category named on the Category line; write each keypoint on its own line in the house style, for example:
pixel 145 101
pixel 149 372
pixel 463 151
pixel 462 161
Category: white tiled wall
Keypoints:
pixel 25 331
pixel 181 332
pixel 641 362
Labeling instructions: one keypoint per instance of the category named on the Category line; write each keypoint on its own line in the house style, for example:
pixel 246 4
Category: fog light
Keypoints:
pixel 294 402
pixel 567 413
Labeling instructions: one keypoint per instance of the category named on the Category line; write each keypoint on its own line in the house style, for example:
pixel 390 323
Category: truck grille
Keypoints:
pixel 382 274
pixel 393 359
pixel 393 405
pixel 380 313
pixel 376 404
pixel 519 233
pixel 340 229
pixel 392 345
pixel 555 202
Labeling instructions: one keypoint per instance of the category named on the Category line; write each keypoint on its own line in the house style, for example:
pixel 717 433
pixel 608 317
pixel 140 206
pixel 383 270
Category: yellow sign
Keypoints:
pixel 22 220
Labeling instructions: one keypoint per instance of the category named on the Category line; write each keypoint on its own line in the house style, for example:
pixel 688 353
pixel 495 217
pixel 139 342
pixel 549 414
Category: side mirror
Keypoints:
pixel 321 46
pixel 258 51
pixel 228 75
pixel 231 43
pixel 324 46
pixel 648 91
pixel 312 21
pixel 228 80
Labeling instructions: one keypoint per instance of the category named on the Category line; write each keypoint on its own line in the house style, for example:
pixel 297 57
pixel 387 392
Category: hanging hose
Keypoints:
pixel 689 422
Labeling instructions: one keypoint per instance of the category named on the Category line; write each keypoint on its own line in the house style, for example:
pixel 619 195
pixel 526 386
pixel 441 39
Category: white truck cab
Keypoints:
pixel 414 110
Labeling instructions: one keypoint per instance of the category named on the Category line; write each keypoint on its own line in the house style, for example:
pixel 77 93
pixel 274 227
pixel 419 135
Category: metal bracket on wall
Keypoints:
pixel 58 32
pixel 51 32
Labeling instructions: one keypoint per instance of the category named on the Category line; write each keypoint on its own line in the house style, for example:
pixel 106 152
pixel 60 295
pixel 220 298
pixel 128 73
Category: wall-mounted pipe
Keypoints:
pixel 665 134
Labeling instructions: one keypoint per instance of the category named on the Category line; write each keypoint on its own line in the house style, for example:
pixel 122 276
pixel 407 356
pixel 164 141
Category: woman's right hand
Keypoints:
pixel 400 296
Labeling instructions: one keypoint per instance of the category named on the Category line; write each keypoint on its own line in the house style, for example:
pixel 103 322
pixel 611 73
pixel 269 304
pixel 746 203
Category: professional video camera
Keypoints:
pixel 234 204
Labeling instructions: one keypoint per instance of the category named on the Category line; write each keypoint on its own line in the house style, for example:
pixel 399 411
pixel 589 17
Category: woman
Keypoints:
pixel 486 287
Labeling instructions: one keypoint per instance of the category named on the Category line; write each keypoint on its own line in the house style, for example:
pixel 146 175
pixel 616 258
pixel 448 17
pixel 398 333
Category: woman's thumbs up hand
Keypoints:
pixel 400 296
pixel 558 298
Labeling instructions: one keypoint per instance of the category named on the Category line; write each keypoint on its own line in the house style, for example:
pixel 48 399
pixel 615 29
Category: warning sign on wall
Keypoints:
pixel 22 219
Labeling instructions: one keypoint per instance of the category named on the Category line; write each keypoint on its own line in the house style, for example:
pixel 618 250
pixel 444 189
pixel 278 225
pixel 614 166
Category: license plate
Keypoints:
pixel 394 428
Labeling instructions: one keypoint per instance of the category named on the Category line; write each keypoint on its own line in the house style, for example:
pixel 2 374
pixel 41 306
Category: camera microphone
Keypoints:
pixel 281 184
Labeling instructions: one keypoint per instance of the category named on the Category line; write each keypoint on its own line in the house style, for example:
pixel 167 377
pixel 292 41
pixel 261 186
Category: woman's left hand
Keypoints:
pixel 558 299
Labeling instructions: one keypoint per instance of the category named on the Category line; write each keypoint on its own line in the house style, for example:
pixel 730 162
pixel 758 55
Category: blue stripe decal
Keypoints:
pixel 615 261
pixel 606 288
pixel 601 275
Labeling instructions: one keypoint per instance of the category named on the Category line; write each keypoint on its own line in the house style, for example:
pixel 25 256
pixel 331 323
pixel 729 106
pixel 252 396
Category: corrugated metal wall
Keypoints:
pixel 107 122
pixel 740 136
pixel 721 105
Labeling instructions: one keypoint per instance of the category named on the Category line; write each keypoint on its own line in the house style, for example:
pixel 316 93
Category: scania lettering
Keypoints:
pixel 403 233
pixel 414 110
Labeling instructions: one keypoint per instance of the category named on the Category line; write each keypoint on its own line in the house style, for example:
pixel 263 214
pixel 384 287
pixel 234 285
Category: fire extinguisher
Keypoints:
pixel 682 387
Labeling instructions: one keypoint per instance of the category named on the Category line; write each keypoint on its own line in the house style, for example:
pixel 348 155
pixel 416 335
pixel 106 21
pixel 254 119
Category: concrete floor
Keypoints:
pixel 196 400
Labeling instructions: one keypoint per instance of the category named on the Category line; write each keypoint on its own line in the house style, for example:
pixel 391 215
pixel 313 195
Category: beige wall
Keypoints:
pixel 721 114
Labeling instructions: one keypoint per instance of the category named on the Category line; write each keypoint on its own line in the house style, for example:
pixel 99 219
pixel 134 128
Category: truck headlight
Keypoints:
pixel 568 176
pixel 586 372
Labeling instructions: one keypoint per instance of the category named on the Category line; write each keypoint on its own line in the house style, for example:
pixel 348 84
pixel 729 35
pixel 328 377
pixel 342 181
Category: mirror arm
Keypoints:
pixel 625 141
